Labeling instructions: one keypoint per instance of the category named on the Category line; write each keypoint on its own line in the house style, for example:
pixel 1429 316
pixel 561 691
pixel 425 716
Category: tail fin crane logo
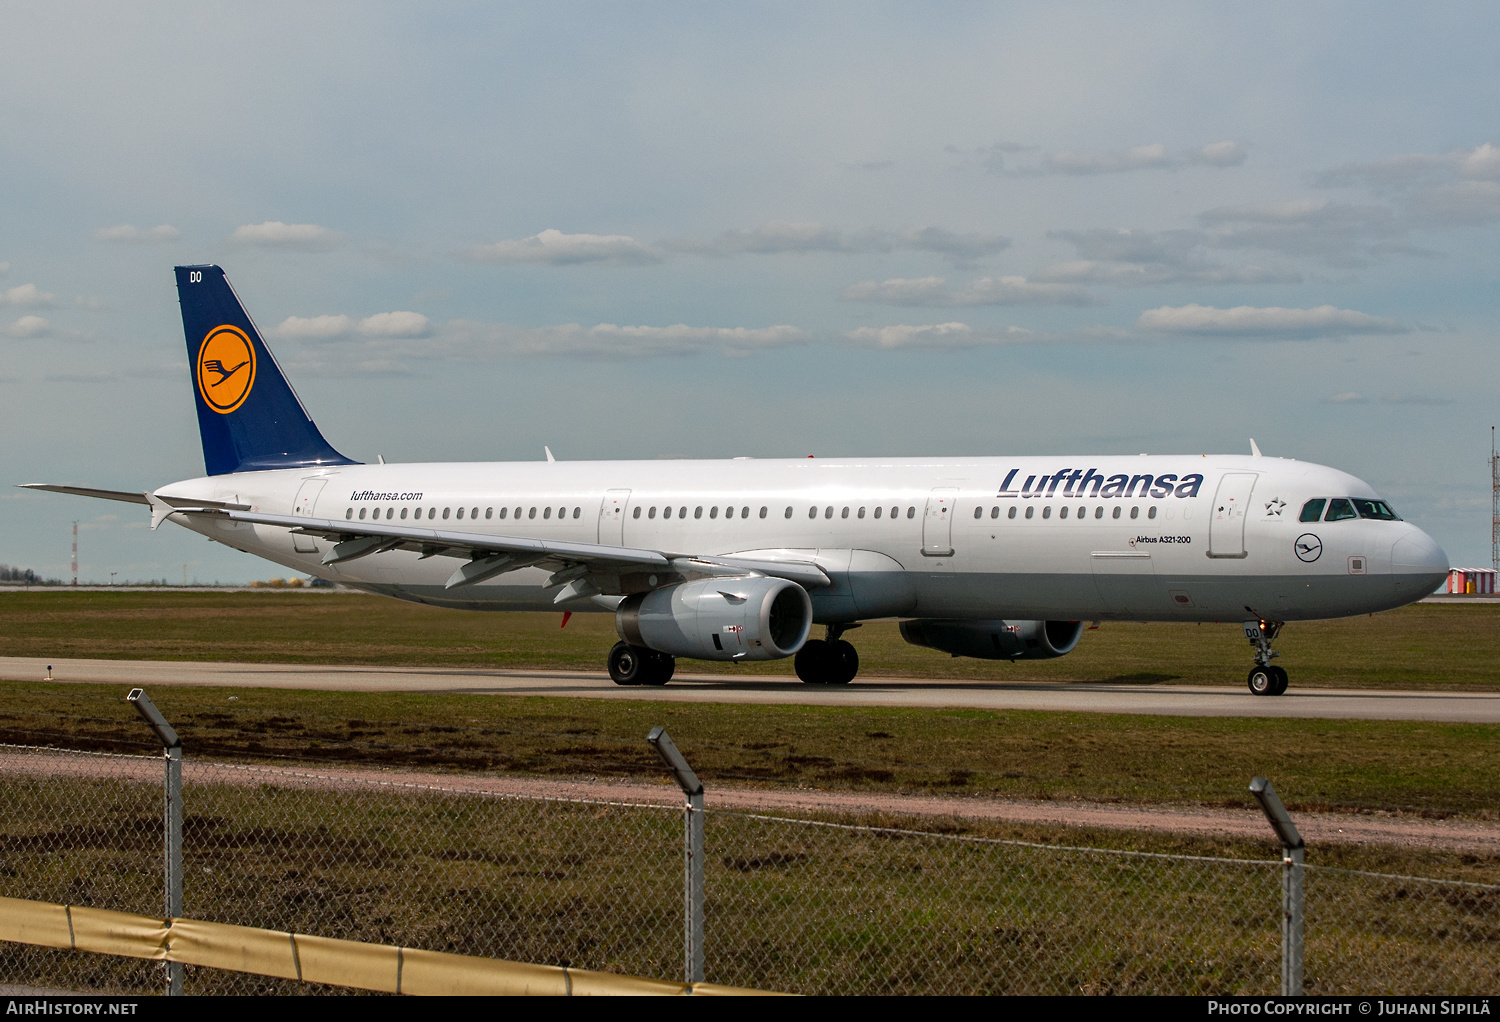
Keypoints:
pixel 225 369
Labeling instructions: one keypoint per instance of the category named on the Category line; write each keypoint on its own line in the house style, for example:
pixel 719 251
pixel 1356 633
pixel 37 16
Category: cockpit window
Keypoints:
pixel 1376 509
pixel 1339 508
pixel 1313 509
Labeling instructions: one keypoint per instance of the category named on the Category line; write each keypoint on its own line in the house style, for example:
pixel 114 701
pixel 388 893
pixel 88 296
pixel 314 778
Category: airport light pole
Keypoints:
pixel 171 746
pixel 1292 849
pixel 693 851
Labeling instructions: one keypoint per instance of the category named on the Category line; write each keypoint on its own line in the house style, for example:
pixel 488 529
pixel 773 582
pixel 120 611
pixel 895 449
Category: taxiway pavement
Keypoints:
pixel 1169 700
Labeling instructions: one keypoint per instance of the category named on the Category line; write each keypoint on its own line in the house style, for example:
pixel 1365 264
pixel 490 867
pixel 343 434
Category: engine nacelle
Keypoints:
pixel 995 640
pixel 719 619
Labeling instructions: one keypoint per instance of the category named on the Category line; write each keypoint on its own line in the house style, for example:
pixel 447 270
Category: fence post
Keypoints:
pixel 692 851
pixel 1292 852
pixel 172 813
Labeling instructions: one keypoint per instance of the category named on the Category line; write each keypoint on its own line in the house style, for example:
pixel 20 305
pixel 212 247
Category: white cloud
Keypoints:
pixel 394 324
pixel 29 326
pixel 129 232
pixel 1348 397
pixel 1088 271
pixel 1273 322
pixel 274 233
pixel 1460 204
pixel 785 236
pixel 1481 162
pixel 474 341
pixel 1408 169
pixel 325 328
pixel 4 269
pixel 554 248
pixel 934 293
pixel 27 296
pixel 1092 161
pixel 1220 154
pixel 314 328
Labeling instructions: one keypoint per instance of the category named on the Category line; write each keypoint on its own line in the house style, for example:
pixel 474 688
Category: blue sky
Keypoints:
pixel 651 230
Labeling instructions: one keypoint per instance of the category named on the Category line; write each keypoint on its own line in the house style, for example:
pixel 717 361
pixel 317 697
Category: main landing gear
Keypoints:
pixel 637 665
pixel 830 661
pixel 1265 678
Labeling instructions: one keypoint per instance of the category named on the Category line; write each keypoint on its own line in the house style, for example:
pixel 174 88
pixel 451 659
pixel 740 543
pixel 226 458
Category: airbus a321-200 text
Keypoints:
pixel 994 557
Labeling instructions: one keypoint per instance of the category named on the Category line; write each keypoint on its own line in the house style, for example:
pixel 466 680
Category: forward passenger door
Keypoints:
pixel 937 523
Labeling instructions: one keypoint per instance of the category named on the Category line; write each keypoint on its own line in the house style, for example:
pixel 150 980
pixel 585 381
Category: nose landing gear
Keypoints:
pixel 1265 678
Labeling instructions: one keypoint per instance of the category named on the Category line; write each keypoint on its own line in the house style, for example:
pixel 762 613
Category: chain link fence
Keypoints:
pixel 798 905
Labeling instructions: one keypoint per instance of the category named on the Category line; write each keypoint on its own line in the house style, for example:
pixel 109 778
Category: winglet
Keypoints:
pixel 1254 449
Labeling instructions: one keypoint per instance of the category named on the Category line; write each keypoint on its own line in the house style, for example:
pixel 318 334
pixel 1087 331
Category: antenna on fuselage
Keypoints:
pixel 1255 449
pixel 548 452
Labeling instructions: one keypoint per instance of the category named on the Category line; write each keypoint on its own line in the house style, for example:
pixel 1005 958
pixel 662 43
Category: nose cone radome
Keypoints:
pixel 1416 554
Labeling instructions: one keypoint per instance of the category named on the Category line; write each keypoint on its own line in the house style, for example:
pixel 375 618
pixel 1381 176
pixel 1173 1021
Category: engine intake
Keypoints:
pixel 995 640
pixel 719 619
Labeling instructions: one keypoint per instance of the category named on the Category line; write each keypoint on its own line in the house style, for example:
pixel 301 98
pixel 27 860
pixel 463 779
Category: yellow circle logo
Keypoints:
pixel 226 368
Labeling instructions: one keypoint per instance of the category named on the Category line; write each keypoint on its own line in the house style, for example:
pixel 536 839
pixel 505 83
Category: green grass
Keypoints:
pixel 1436 769
pixel 1424 646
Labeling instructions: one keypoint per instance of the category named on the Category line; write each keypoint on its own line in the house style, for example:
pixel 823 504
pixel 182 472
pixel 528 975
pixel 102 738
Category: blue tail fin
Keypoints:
pixel 248 415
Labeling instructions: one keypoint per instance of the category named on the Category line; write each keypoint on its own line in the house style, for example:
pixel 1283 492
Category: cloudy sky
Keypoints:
pixel 658 230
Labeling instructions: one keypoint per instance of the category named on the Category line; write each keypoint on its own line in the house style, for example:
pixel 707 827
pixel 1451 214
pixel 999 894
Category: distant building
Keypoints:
pixel 1473 581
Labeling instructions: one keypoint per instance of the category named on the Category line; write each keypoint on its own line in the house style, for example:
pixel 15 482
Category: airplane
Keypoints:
pixel 999 558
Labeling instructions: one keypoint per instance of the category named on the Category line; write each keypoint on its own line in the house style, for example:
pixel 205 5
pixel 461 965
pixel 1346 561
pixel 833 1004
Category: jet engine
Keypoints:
pixel 995 640
pixel 751 618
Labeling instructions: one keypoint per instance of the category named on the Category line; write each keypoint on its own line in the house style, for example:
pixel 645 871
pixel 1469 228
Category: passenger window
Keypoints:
pixel 745 512
pixel 403 514
pixel 531 513
pixel 1135 513
pixel 861 512
pixel 1030 510
pixel 1151 511
pixel 1047 512
pixel 349 512
pixel 911 512
pixel 812 512
pixel 666 512
pixel 789 511
pixel 843 514
pixel 460 513
pixel 445 514
pixel 697 512
pixel 503 510
pixel 1012 512
pixel 895 512
pixel 1083 512
pixel 995 511
pixel 362 514
pixel 682 512
pixel 389 512
pixel 637 512
pixel 1116 512
pixel 1062 512
pixel 1339 509
pixel 978 512
pixel 829 512
pixel 651 512
pixel 431 513
pixel 473 512
pixel 546 513
pixel 489 513
pixel 577 511
pixel 1099 511
pixel 713 512
pixel 763 510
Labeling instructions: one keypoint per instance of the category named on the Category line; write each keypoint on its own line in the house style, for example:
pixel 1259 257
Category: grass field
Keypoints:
pixel 1431 768
pixel 1424 646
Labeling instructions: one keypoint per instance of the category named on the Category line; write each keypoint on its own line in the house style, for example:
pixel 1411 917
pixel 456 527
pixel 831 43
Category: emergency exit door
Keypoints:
pixel 937 523
pixel 612 517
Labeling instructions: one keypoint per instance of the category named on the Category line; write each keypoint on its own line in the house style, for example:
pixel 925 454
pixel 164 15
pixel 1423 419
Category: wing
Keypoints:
pixel 582 569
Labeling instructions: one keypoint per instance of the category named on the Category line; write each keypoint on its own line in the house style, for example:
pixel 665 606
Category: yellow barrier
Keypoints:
pixel 349 963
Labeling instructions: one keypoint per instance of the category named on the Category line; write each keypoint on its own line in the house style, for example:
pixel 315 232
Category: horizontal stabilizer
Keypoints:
pixel 136 497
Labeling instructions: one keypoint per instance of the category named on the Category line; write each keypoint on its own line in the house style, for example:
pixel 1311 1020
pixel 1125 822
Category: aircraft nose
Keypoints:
pixel 1417 554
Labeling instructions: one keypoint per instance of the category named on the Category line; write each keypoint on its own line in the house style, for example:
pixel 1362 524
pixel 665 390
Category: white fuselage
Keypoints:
pixel 981 538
